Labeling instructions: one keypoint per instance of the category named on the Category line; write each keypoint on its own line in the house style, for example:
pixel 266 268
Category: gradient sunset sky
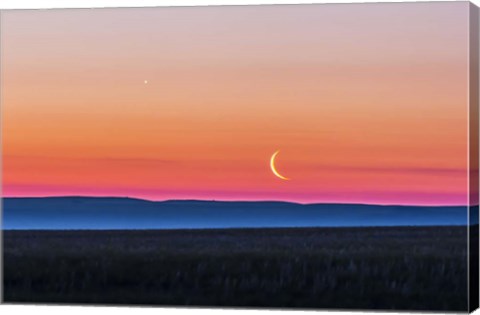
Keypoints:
pixel 367 103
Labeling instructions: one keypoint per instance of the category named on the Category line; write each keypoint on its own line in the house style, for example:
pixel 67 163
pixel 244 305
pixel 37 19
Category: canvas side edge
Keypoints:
pixel 1 161
pixel 473 163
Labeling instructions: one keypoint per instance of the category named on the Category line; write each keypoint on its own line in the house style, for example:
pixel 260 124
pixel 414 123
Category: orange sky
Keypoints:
pixel 366 102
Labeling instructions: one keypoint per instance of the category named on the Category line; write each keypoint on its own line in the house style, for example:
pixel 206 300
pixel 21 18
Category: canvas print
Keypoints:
pixel 317 156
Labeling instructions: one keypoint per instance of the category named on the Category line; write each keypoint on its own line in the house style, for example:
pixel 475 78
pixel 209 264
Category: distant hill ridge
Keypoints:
pixel 78 212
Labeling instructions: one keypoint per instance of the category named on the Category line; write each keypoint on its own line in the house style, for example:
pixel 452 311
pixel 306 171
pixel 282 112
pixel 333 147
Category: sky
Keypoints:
pixel 367 103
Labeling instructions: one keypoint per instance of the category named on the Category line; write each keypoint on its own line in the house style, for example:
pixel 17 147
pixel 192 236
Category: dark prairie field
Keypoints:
pixel 407 268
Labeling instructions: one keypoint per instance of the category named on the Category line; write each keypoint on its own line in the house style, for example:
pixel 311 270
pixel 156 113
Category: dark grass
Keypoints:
pixel 404 268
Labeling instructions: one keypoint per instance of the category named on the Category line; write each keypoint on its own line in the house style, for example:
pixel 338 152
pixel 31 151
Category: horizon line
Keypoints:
pixel 246 201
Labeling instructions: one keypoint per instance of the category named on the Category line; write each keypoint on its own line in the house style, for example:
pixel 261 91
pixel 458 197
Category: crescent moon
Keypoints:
pixel 274 170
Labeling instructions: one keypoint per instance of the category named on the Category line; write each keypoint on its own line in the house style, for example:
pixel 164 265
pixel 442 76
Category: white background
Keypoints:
pixel 94 310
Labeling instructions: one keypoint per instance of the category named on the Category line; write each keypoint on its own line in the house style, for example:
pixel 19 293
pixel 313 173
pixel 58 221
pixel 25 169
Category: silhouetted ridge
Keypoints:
pixel 77 212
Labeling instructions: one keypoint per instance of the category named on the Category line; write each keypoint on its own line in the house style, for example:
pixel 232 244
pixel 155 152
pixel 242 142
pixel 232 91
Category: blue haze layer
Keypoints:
pixel 127 213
